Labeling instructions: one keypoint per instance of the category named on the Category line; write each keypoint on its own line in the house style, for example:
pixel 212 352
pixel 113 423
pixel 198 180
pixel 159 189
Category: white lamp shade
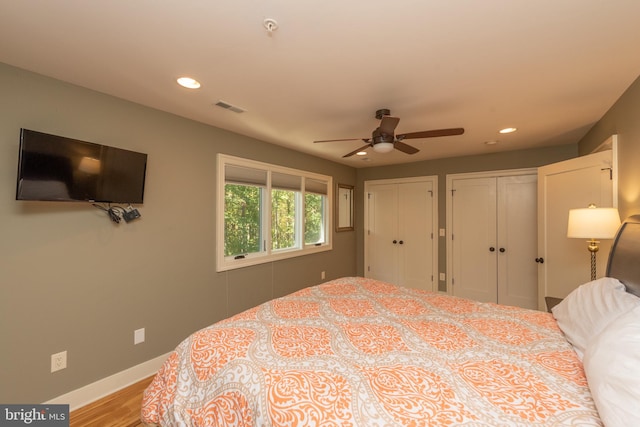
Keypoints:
pixel 383 147
pixel 593 223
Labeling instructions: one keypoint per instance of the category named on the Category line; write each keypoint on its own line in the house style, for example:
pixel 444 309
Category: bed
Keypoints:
pixel 360 352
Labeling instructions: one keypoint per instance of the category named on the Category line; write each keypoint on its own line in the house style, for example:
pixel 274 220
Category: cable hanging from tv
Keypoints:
pixel 118 213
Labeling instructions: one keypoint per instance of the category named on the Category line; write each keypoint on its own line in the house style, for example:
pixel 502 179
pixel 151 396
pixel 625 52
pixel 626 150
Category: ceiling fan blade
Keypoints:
pixel 388 124
pixel 405 148
pixel 431 133
pixel 356 151
pixel 335 140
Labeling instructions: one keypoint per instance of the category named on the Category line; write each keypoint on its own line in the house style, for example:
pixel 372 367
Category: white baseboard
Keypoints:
pixel 106 386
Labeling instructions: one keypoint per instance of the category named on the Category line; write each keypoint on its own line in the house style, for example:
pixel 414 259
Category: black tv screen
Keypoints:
pixel 55 168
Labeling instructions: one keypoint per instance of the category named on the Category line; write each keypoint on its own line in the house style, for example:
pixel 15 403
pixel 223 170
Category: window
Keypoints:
pixel 269 212
pixel 315 207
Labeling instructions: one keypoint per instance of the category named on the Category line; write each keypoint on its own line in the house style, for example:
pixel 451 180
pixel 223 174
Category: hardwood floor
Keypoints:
pixel 120 409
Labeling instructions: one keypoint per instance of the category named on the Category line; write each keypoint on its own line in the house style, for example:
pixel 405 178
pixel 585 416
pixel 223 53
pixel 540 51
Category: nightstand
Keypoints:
pixel 551 302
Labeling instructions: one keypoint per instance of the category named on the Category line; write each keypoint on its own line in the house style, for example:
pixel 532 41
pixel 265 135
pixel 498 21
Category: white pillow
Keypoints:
pixel 588 309
pixel 612 365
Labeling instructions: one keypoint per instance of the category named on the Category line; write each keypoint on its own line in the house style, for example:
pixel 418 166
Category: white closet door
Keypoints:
pixel 562 186
pixel 400 222
pixel 415 240
pixel 474 245
pixel 382 230
pixel 517 241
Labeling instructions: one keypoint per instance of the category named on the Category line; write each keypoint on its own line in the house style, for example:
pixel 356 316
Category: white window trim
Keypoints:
pixel 225 263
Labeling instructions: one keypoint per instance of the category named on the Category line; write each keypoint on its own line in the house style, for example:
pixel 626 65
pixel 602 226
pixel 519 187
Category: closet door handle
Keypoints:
pixel 401 242
pixel 395 241
pixel 540 260
pixel 492 249
pixel 502 249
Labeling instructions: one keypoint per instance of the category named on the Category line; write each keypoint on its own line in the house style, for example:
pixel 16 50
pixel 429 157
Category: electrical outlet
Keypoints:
pixel 322 275
pixel 138 336
pixel 443 277
pixel 58 361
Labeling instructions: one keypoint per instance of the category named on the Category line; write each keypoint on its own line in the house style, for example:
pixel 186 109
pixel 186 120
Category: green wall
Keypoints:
pixel 72 280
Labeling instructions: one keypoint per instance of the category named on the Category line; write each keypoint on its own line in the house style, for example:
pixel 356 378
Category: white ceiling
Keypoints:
pixel 551 68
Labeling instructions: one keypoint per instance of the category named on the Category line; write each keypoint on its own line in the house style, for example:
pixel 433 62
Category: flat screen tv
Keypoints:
pixel 55 168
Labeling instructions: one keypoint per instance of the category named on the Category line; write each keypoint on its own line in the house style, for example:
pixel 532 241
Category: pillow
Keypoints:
pixel 612 365
pixel 591 307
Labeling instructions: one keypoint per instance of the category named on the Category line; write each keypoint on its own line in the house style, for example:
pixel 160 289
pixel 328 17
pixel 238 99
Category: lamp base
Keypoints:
pixel 593 248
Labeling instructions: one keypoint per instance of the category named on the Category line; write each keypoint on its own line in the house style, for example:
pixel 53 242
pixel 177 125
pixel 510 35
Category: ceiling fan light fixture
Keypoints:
pixel 384 140
pixel 383 147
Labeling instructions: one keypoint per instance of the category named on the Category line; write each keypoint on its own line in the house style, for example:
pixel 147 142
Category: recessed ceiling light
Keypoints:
pixel 508 130
pixel 188 82
pixel 491 142
pixel 361 153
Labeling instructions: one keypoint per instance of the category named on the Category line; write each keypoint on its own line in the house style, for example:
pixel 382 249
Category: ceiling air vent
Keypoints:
pixel 230 107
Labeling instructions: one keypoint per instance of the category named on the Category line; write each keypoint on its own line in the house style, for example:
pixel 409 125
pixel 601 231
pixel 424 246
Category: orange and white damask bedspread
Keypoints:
pixel 359 352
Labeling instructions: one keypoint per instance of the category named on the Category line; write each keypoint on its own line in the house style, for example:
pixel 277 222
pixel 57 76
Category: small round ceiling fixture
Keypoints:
pixel 361 153
pixel 270 25
pixel 492 142
pixel 188 82
pixel 508 130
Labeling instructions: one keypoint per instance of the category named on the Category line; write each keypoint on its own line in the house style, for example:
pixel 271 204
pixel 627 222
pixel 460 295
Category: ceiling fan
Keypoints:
pixel 383 139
